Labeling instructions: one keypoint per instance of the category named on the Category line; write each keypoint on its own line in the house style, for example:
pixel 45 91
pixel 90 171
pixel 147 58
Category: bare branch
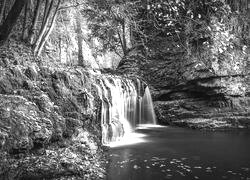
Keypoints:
pixel 71 6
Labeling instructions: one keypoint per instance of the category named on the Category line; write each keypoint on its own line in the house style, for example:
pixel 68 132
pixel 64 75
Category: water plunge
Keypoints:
pixel 148 115
pixel 125 104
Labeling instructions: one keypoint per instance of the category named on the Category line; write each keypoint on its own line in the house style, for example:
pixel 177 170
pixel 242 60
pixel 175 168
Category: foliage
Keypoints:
pixel 116 27
pixel 110 22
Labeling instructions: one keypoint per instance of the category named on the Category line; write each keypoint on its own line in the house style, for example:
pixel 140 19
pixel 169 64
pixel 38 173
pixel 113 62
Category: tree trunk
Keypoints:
pixel 43 28
pixel 131 36
pixel 124 38
pixel 46 11
pixel 25 20
pixel 5 13
pixel 79 40
pixel 2 11
pixel 46 36
pixel 60 48
pixel 34 22
pixel 11 19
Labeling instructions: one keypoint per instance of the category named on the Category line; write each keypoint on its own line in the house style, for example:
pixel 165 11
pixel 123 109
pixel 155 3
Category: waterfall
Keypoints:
pixel 147 111
pixel 125 104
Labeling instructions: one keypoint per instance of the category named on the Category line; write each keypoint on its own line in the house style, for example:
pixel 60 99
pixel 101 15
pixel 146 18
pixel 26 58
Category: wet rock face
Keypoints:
pixel 213 113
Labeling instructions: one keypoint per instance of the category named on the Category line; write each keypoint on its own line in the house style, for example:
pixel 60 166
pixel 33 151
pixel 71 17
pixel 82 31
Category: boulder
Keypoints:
pixel 22 125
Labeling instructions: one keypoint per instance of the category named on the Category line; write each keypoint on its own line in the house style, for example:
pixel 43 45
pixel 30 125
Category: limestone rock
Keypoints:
pixel 45 116
pixel 22 124
pixel 49 127
pixel 205 113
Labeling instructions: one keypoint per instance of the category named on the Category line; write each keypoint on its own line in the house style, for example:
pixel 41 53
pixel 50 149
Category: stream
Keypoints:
pixel 158 152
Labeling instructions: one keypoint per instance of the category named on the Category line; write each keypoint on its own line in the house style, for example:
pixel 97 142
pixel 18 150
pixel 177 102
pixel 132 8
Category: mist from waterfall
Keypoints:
pixel 126 103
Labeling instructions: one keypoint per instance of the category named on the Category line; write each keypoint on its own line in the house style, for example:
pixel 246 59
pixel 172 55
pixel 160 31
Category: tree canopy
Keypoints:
pixel 116 27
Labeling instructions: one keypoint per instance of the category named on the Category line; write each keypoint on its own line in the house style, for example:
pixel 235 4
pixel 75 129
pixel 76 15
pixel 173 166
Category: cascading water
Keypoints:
pixel 124 105
pixel 147 111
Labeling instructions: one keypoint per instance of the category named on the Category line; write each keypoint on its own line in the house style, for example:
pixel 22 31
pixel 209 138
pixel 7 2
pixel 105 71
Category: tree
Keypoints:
pixel 79 40
pixel 45 21
pixel 3 6
pixel 49 29
pixel 25 19
pixel 11 19
pixel 110 23
pixel 33 26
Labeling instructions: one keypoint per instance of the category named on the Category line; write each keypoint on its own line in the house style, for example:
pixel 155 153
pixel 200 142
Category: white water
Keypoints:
pixel 148 115
pixel 124 106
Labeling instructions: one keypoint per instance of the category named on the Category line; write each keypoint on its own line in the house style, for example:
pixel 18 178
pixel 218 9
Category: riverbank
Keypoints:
pixel 219 113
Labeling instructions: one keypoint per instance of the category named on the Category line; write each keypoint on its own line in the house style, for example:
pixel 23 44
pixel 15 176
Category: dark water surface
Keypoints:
pixel 176 153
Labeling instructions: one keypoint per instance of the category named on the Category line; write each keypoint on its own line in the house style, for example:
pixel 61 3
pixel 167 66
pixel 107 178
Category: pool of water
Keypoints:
pixel 177 153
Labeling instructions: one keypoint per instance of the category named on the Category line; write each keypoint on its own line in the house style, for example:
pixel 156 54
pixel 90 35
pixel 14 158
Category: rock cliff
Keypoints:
pixel 49 125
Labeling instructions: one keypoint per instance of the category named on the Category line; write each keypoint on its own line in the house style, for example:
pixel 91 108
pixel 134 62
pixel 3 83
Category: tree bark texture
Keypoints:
pixel 25 20
pixel 34 22
pixel 50 28
pixel 79 40
pixel 2 10
pixel 44 26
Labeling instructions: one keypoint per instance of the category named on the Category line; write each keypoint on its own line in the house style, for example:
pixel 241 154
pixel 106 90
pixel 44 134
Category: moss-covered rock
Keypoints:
pixel 49 120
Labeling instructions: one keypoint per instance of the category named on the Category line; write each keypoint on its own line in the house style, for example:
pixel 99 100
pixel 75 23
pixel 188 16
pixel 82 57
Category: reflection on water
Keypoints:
pixel 175 153
pixel 129 139
pixel 134 137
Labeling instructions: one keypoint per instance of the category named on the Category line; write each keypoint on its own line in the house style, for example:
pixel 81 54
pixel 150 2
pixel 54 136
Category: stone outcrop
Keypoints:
pixel 49 121
pixel 210 113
